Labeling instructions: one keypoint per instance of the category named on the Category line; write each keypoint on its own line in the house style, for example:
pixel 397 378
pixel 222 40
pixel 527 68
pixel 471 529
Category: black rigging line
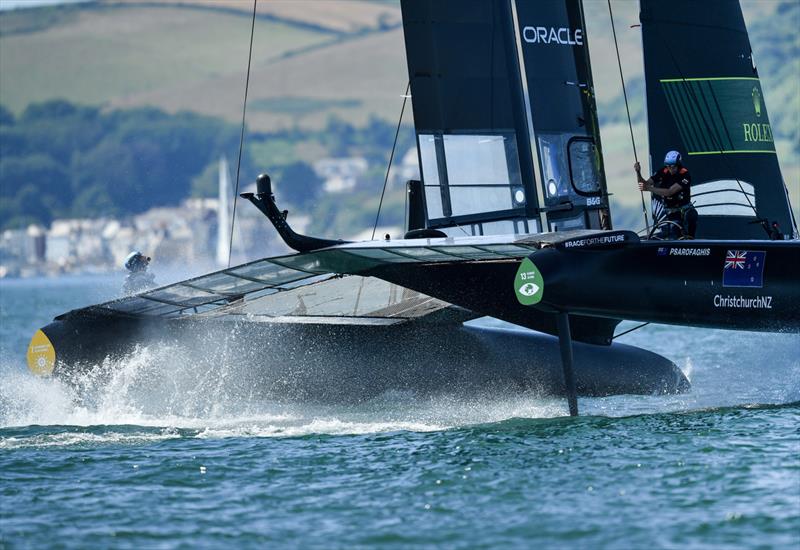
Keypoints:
pixel 241 137
pixel 637 327
pixel 627 110
pixel 391 157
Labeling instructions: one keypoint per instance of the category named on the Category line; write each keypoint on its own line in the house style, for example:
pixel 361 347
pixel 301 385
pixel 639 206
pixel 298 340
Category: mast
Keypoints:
pixel 704 99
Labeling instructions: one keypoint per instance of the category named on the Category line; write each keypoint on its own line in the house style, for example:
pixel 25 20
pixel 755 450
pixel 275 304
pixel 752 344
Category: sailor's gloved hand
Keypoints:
pixel 637 167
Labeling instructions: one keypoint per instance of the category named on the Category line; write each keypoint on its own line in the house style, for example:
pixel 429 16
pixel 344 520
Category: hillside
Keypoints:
pixel 317 58
pixel 340 16
pixel 192 55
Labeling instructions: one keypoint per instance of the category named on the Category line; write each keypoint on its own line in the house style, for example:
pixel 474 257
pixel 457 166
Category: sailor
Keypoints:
pixel 138 279
pixel 672 186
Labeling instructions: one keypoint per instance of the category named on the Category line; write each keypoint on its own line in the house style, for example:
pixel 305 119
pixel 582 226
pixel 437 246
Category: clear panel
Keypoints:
pixel 384 255
pixel 508 250
pixel 460 231
pixel 227 284
pixel 584 165
pixel 164 309
pixel 128 305
pixel 433 201
pixel 348 296
pixel 426 254
pixel 268 272
pixel 475 200
pixel 466 252
pixel 308 263
pixel 190 302
pixel 565 224
pixel 555 174
pixel 182 294
pixel 476 160
pixel 145 307
pixel 308 281
pixel 430 176
pixel 503 227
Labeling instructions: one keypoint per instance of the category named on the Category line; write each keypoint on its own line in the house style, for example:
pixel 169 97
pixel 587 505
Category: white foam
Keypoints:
pixel 70 438
pixel 156 388
pixel 332 426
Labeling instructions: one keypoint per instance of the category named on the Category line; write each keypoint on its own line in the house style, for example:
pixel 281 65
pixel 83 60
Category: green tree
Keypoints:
pixel 298 184
pixel 38 170
pixel 6 117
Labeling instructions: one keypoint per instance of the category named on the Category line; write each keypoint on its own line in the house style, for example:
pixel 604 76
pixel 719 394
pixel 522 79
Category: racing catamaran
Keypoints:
pixel 510 218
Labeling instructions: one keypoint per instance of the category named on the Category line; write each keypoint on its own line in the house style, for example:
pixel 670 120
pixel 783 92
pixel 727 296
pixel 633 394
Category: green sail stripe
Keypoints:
pixel 731 152
pixel 720 133
pixel 708 79
pixel 683 125
pixel 691 117
pixel 704 126
pixel 716 116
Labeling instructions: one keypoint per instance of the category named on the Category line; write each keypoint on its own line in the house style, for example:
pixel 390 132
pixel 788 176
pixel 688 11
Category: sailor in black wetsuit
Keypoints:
pixel 138 278
pixel 672 185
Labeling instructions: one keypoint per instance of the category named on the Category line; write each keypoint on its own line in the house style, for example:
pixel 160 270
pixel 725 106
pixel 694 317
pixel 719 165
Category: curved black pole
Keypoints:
pixel 265 201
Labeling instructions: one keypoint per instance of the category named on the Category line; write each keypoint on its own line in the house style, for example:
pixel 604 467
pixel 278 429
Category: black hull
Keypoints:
pixel 670 282
pixel 336 363
pixel 678 282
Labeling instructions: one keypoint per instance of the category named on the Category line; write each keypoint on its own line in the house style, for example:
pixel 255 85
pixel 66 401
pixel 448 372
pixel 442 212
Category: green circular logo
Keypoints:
pixel 528 284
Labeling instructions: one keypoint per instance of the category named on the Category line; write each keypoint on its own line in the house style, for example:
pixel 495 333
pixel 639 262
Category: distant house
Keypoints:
pixel 77 242
pixel 19 247
pixel 408 169
pixel 340 174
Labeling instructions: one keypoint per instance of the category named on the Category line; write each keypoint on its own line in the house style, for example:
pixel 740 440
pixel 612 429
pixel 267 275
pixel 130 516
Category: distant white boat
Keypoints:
pixel 224 215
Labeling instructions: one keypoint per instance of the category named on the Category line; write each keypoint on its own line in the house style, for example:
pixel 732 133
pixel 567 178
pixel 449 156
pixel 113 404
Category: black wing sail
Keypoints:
pixel 559 93
pixel 503 99
pixel 704 99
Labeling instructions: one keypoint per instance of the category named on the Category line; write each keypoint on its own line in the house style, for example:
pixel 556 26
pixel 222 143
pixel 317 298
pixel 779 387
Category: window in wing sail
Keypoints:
pixel 469 175
pixel 430 175
pixel 570 167
pixel 584 165
pixel 479 176
pixel 502 227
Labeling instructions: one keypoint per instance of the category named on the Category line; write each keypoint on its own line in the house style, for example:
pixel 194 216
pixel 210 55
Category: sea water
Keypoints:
pixel 182 458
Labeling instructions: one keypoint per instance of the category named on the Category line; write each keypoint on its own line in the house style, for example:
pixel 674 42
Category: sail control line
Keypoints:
pixel 241 137
pixel 627 110
pixel 391 158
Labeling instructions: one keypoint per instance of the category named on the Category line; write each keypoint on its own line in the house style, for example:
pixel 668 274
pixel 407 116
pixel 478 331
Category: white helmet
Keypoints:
pixel 135 261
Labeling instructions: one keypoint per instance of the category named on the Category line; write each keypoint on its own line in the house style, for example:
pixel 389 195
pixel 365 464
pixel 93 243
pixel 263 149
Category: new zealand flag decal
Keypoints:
pixel 744 268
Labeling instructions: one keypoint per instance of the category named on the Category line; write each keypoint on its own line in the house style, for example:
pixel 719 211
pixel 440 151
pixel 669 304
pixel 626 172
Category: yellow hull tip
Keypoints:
pixel 41 355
